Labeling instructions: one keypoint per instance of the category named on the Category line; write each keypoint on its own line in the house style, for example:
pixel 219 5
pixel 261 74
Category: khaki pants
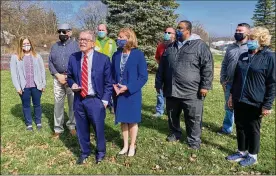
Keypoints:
pixel 60 92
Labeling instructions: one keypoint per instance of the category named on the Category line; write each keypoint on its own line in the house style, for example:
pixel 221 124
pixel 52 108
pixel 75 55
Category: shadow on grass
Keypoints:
pixel 17 111
pixel 159 124
pixel 71 142
pixel 47 110
pixel 218 146
pixel 214 128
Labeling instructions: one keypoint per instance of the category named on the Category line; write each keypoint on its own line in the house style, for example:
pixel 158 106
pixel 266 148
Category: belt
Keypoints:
pixel 90 96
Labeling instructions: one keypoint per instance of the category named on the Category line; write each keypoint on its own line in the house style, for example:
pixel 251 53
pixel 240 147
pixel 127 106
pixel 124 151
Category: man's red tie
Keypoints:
pixel 84 77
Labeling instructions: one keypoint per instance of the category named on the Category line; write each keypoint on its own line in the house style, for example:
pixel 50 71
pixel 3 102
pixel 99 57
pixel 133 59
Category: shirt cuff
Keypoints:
pixel 105 102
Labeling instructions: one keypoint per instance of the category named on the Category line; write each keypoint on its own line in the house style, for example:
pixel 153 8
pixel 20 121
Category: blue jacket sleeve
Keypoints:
pixel 113 73
pixel 270 83
pixel 70 74
pixel 108 81
pixel 137 85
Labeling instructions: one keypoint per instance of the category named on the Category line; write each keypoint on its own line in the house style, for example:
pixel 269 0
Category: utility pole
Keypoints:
pixel 231 35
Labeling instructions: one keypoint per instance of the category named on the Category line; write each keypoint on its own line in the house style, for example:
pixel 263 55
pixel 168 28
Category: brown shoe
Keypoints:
pixel 56 135
pixel 73 132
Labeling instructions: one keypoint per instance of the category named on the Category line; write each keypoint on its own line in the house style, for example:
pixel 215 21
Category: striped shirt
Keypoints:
pixel 29 70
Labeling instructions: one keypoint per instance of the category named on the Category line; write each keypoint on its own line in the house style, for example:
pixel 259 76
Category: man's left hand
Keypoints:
pixel 203 92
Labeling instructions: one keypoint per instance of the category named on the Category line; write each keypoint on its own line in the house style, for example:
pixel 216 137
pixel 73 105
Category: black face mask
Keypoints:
pixel 239 36
pixel 63 38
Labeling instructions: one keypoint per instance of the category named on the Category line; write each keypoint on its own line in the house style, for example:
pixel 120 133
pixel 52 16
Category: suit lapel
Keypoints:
pixel 94 65
pixel 118 63
pixel 94 61
pixel 129 59
pixel 79 66
pixel 128 62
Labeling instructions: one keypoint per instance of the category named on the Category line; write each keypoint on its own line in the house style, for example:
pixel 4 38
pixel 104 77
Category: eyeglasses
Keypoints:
pixel 62 31
pixel 168 32
pixel 85 40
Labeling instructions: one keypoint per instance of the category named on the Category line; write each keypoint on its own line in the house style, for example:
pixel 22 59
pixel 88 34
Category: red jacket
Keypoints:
pixel 159 51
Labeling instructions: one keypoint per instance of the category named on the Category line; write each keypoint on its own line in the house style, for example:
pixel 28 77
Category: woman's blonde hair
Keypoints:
pixel 260 34
pixel 131 36
pixel 20 52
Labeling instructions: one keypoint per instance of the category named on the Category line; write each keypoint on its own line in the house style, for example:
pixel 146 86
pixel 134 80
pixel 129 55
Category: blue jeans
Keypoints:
pixel 26 96
pixel 229 115
pixel 160 103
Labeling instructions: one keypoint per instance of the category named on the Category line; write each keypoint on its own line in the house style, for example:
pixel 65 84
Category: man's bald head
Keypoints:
pixel 102 27
pixel 170 29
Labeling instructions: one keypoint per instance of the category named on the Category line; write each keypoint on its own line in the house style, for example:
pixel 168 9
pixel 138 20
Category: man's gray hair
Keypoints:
pixel 92 33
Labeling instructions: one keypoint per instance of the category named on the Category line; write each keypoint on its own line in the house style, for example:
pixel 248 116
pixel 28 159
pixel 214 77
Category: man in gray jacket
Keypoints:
pixel 58 62
pixel 228 66
pixel 185 74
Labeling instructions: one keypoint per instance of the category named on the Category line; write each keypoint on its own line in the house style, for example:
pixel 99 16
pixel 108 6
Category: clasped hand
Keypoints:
pixel 119 89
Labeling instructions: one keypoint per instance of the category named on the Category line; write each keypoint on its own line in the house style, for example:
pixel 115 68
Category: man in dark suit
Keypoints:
pixel 89 76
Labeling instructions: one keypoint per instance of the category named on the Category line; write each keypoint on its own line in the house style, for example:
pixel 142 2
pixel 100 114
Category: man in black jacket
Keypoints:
pixel 185 74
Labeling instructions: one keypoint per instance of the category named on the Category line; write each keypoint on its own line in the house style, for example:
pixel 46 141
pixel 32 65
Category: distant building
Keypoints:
pixel 221 45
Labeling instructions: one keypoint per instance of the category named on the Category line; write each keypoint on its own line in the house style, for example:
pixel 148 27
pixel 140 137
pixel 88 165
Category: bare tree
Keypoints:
pixel 92 15
pixel 28 18
pixel 199 29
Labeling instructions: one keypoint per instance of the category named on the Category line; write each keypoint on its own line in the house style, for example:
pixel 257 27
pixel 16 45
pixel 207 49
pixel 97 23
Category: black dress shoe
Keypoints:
pixel 98 160
pixel 81 160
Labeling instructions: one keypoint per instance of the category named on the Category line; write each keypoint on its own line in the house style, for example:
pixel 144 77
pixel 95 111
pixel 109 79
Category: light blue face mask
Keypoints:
pixel 252 44
pixel 101 34
pixel 167 37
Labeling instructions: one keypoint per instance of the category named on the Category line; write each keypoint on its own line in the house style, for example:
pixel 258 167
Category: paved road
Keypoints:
pixel 5 61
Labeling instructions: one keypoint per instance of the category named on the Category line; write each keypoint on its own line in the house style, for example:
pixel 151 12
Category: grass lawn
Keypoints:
pixel 36 152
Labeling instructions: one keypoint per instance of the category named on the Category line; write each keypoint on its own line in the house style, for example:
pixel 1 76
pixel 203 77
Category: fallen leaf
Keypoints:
pixel 156 167
pixel 127 164
pixel 113 159
pixel 192 159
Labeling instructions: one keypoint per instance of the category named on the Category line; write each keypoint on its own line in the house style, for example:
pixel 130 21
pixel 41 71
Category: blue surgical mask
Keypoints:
pixel 121 43
pixel 179 35
pixel 252 44
pixel 101 34
pixel 167 37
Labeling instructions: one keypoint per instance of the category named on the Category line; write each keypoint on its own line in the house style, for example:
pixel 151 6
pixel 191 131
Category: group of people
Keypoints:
pixel 96 72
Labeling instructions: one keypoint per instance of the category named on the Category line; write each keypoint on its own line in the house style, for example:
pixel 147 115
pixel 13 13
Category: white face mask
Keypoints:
pixel 26 48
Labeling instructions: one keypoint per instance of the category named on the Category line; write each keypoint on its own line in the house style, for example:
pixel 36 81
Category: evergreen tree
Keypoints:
pixel 264 15
pixel 148 19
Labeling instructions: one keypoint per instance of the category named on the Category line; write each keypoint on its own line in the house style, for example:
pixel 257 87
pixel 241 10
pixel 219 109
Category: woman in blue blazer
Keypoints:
pixel 28 78
pixel 129 71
